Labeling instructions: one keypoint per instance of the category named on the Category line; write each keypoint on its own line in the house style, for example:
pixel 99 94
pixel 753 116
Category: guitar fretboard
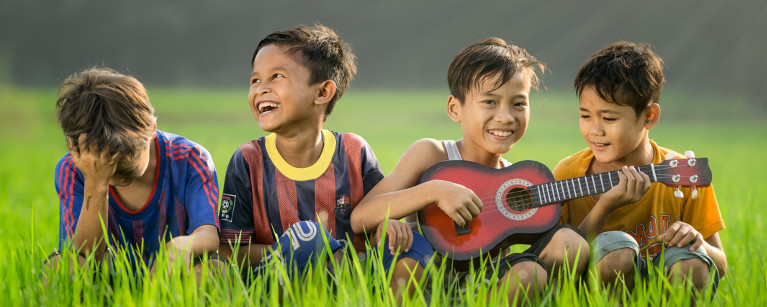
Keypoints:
pixel 564 190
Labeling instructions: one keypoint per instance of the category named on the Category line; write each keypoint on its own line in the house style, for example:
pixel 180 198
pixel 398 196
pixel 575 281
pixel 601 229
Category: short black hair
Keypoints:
pixel 488 58
pixel 322 51
pixel 624 73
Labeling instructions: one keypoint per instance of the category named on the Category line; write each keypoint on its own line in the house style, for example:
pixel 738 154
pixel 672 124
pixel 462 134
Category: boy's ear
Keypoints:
pixel 653 115
pixel 326 92
pixel 454 108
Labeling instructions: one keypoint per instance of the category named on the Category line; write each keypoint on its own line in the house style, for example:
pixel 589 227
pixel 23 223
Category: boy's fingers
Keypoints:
pixel 458 219
pixel 465 214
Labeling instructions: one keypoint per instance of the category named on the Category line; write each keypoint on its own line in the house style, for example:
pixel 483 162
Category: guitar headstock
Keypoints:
pixel 686 172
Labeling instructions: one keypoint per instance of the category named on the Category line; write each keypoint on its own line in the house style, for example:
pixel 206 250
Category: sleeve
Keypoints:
pixel 371 170
pixel 703 212
pixel 201 191
pixel 69 187
pixel 236 215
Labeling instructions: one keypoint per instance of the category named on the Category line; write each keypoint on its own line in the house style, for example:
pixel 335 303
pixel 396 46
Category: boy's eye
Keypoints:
pixel 609 119
pixel 278 75
pixel 488 102
pixel 584 116
pixel 254 81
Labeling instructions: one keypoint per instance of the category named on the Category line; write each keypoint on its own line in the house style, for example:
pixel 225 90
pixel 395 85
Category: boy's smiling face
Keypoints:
pixel 280 95
pixel 492 119
pixel 615 134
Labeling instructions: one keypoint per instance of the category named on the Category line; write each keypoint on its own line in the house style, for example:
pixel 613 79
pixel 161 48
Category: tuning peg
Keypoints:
pixel 670 155
pixel 694 193
pixel 689 154
pixel 678 193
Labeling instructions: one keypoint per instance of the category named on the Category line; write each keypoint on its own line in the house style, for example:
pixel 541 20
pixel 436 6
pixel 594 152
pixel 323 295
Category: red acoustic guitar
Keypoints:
pixel 523 200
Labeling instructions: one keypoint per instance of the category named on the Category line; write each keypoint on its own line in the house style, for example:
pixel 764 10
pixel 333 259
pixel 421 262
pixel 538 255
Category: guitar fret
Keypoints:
pixel 610 177
pixel 569 195
pixel 594 184
pixel 602 181
pixel 551 192
pixel 557 190
pixel 579 186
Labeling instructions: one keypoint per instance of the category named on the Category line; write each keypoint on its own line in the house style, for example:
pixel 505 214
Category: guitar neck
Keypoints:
pixel 564 190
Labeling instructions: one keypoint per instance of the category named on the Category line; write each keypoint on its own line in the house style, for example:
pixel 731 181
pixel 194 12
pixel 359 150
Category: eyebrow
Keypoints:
pixel 496 95
pixel 601 111
pixel 276 68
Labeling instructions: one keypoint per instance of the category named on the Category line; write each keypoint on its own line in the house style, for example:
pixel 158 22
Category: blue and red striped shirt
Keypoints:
pixel 185 197
pixel 263 194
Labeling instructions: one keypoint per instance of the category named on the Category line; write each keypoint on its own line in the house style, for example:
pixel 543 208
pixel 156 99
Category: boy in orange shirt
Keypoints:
pixel 619 89
pixel 490 83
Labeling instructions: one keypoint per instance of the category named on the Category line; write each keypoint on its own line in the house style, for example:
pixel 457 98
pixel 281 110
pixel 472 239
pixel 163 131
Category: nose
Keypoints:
pixel 263 88
pixel 504 114
pixel 596 128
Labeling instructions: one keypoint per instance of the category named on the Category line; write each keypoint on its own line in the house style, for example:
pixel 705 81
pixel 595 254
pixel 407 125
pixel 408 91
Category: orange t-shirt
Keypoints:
pixel 648 218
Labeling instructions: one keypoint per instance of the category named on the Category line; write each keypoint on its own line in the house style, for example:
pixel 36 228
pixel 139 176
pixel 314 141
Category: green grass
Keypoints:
pixel 719 128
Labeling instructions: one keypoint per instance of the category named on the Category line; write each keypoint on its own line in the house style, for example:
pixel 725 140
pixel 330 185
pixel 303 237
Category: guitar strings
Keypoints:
pixel 529 195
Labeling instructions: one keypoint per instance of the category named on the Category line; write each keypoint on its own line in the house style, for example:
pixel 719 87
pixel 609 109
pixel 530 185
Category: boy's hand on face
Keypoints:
pixel 399 234
pixel 632 186
pixel 680 234
pixel 458 202
pixel 97 166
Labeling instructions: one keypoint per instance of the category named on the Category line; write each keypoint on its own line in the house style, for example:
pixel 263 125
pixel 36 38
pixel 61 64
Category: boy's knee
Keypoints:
pixel 695 269
pixel 620 262
pixel 572 244
pixel 527 274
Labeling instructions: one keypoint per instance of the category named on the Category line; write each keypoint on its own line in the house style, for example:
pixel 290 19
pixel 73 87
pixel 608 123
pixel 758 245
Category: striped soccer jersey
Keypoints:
pixel 263 194
pixel 185 197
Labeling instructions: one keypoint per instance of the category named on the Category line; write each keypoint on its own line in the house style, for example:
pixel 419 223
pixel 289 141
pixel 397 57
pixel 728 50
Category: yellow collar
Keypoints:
pixel 306 173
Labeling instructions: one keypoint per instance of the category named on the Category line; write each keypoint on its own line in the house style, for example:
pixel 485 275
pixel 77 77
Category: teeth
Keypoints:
pixel 267 106
pixel 500 132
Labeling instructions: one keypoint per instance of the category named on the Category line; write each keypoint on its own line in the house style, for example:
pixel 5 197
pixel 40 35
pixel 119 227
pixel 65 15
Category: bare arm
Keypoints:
pixel 203 240
pixel 400 195
pixel 97 168
pixel 632 186
pixel 714 249
pixel 250 252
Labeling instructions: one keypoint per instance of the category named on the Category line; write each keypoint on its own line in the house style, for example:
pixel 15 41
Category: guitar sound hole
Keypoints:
pixel 519 199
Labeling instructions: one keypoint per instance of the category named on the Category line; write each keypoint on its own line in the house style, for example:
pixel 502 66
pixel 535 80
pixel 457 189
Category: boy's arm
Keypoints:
pixel 202 240
pixel 400 195
pixel 201 202
pixel 632 186
pixel 714 249
pixel 253 253
pixel 236 215
pixel 97 169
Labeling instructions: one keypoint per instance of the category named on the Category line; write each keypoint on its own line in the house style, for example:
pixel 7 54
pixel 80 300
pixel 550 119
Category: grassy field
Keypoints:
pixel 720 128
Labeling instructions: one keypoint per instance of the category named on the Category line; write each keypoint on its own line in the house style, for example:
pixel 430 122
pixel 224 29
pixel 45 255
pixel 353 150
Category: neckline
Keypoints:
pixel 302 173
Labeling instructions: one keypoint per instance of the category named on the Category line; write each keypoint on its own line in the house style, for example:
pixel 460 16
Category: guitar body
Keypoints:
pixel 499 224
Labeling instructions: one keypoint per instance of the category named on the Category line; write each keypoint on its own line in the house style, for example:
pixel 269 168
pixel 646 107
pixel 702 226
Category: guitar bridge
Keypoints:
pixel 461 230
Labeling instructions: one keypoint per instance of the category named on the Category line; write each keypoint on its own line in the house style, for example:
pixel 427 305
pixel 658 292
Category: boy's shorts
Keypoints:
pixel 302 244
pixel 504 264
pixel 609 241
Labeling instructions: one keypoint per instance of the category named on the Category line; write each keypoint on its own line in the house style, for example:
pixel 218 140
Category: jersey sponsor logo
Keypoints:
pixel 343 205
pixel 228 201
